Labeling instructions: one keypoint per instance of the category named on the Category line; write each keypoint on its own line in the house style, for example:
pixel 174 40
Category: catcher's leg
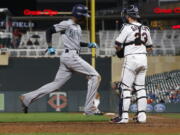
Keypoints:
pixel 120 99
pixel 62 76
pixel 141 96
pixel 127 81
pixel 120 105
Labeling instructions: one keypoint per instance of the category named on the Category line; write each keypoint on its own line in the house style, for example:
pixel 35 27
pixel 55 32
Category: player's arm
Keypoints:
pixel 90 45
pixel 49 33
pixel 121 38
pixel 119 42
pixel 149 44
pixel 83 44
pixel 54 29
pixel 118 46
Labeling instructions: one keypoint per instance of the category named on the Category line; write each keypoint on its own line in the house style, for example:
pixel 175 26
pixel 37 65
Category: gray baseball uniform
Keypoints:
pixel 69 61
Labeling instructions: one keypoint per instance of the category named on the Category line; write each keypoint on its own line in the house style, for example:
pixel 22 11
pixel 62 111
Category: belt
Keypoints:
pixel 68 50
pixel 136 54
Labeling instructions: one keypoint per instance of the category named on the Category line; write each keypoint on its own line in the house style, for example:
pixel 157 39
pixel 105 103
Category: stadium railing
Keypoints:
pixel 166 42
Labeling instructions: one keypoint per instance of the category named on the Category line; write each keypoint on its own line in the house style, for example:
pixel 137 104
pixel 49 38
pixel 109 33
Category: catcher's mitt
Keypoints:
pixel 120 53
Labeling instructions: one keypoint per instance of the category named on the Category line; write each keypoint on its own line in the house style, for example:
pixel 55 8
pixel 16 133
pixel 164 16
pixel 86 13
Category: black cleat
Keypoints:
pixel 119 120
pixel 24 107
pixel 115 119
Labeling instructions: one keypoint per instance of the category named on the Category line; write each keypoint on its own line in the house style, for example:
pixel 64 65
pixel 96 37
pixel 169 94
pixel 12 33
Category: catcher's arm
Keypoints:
pixel 149 48
pixel 119 50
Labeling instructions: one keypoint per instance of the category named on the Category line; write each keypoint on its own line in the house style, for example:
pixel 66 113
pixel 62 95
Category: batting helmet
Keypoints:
pixel 131 11
pixel 79 11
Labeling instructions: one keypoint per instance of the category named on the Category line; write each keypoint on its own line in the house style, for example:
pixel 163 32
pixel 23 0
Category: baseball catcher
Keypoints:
pixel 135 40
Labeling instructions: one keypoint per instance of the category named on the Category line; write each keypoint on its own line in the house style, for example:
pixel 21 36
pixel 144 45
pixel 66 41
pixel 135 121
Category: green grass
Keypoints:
pixel 66 117
pixel 83 134
pixel 49 117
pixel 61 117
pixel 172 115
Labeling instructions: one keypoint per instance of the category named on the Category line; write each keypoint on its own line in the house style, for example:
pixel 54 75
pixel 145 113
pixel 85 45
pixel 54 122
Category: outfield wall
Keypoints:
pixel 156 64
pixel 23 75
pixel 27 74
pixel 72 101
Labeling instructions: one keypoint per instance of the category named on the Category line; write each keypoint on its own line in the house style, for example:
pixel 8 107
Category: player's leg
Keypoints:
pixel 116 87
pixel 97 103
pixel 62 76
pixel 128 77
pixel 81 66
pixel 118 118
pixel 139 86
pixel 120 102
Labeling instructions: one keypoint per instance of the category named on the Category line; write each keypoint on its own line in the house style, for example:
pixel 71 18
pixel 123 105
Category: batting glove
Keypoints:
pixel 92 45
pixel 51 50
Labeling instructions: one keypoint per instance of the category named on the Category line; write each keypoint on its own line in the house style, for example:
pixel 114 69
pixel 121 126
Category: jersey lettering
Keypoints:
pixel 73 34
pixel 134 28
pixel 138 40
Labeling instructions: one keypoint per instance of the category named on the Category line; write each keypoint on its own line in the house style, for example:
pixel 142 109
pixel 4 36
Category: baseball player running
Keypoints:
pixel 70 61
pixel 136 41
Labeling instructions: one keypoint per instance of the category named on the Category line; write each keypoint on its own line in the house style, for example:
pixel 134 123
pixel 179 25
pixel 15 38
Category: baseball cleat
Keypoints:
pixel 99 113
pixel 94 113
pixel 115 119
pixel 24 107
pixel 140 118
pixel 119 120
pixel 139 121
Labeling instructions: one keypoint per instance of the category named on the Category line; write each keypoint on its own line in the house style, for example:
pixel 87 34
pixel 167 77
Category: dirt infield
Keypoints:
pixel 155 124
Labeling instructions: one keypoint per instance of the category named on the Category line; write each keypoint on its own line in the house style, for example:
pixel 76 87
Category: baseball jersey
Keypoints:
pixel 72 34
pixel 129 33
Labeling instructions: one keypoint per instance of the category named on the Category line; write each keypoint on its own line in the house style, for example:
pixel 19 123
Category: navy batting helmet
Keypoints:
pixel 80 11
pixel 131 11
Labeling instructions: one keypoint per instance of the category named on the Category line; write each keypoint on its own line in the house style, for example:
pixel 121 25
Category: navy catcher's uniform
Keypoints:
pixel 70 61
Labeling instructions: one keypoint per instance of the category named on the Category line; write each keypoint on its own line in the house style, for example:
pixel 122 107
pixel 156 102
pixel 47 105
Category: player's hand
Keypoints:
pixel 50 50
pixel 92 45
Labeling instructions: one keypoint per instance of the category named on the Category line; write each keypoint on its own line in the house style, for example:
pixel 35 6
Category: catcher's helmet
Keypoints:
pixel 131 11
pixel 79 11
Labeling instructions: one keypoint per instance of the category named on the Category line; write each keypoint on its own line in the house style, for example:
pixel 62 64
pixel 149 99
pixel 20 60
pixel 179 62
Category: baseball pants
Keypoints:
pixel 69 62
pixel 133 73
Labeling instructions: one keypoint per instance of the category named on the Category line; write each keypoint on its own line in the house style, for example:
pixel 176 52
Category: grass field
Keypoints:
pixel 172 115
pixel 67 117
pixel 61 117
pixel 49 117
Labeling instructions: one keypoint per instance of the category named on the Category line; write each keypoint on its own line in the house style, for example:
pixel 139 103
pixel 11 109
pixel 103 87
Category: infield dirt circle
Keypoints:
pixel 155 124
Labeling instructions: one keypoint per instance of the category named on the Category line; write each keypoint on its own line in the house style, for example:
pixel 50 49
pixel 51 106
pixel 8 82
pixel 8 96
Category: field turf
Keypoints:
pixel 49 117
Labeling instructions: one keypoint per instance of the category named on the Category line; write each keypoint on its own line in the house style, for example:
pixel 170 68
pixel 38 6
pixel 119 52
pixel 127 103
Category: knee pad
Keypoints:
pixel 141 93
pixel 126 94
pixel 138 87
pixel 126 100
pixel 141 100
pixel 125 90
